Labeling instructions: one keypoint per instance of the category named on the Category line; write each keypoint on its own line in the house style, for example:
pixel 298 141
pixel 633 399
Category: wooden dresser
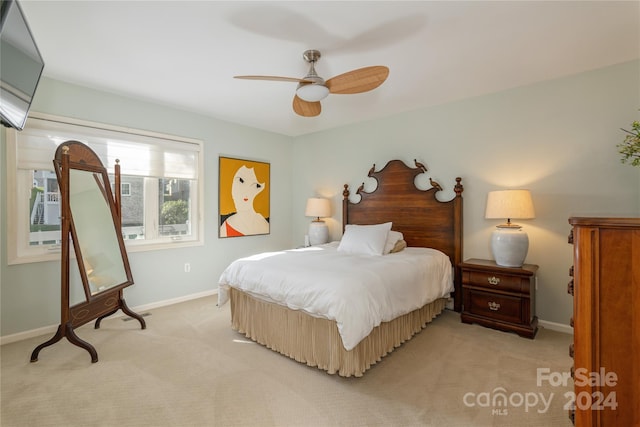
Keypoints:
pixel 606 320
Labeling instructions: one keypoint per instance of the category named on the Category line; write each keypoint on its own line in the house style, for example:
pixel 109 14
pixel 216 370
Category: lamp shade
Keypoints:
pixel 509 204
pixel 509 243
pixel 317 207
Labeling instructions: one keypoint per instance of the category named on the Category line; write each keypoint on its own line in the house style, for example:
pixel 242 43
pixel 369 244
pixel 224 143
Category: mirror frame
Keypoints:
pixel 80 157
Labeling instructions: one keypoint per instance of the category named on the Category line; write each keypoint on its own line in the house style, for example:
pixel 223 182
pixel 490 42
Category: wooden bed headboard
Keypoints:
pixel 417 214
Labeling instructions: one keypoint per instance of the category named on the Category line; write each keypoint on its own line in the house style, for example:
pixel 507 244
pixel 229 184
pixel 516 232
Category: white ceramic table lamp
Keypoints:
pixel 318 230
pixel 508 242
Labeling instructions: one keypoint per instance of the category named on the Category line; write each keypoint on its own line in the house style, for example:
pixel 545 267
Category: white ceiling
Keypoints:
pixel 185 54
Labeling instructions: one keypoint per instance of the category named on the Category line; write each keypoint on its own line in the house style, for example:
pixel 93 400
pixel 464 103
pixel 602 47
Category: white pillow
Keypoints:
pixel 365 239
pixel 392 238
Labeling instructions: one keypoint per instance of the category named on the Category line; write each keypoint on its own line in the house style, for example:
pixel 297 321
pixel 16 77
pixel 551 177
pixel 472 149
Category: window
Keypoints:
pixel 160 177
pixel 125 188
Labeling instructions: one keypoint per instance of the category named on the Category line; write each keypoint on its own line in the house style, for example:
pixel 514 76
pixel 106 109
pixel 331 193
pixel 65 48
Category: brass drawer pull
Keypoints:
pixel 494 306
pixel 493 280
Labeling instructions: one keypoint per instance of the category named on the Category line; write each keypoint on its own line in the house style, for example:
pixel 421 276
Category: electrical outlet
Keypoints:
pixel 187 267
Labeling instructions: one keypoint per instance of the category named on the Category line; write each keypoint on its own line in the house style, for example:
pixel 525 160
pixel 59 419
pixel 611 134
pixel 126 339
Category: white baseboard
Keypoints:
pixel 558 327
pixel 172 301
pixel 50 330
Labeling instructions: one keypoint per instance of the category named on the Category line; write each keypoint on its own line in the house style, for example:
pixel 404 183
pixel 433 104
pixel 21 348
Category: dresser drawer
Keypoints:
pixel 497 307
pixel 493 281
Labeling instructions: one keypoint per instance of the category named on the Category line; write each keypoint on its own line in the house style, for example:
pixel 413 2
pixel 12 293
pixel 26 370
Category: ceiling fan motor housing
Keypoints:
pixel 317 90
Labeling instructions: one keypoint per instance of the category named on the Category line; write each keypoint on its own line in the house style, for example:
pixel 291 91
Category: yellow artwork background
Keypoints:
pixel 228 167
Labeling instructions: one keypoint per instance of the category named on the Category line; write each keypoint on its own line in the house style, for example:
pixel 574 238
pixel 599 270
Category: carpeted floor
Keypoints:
pixel 188 368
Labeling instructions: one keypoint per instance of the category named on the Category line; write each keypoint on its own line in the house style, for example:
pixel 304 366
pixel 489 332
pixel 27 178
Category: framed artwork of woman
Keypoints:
pixel 244 194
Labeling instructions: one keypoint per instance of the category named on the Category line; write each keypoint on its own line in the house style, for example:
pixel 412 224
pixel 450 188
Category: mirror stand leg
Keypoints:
pixel 66 331
pixel 74 339
pixel 127 310
pixel 57 337
pixel 99 319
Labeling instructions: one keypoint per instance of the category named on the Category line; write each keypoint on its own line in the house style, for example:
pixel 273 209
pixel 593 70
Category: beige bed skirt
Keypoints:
pixel 316 341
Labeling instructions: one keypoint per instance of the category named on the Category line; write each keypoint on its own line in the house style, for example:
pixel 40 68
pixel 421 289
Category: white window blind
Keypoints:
pixel 139 155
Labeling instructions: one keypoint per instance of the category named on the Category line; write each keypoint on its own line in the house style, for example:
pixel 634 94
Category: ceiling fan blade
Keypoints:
pixel 274 78
pixel 305 108
pixel 358 81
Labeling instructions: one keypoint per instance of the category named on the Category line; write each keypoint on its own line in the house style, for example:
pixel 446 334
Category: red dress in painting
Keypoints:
pixel 232 232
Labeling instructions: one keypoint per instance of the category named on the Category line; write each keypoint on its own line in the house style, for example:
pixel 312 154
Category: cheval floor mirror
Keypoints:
pixel 91 219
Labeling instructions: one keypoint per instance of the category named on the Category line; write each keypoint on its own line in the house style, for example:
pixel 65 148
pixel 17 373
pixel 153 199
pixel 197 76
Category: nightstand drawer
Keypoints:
pixel 493 281
pixel 497 307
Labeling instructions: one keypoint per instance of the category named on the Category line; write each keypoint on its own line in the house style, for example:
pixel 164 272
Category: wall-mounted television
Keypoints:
pixel 21 65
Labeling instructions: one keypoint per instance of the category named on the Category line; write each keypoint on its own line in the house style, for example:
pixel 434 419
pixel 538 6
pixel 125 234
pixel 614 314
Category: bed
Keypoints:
pixel 317 319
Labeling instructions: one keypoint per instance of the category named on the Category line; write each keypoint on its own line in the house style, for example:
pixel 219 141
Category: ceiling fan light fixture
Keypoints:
pixel 312 92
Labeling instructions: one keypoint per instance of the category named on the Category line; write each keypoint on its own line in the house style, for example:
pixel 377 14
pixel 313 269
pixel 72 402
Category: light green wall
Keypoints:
pixel 30 293
pixel 556 138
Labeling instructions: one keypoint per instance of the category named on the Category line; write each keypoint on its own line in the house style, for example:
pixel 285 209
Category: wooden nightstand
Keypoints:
pixel 499 297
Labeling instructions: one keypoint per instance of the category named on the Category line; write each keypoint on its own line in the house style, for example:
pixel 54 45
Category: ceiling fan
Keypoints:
pixel 313 88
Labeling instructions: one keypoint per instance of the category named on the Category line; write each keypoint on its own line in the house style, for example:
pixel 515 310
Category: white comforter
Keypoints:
pixel 357 291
